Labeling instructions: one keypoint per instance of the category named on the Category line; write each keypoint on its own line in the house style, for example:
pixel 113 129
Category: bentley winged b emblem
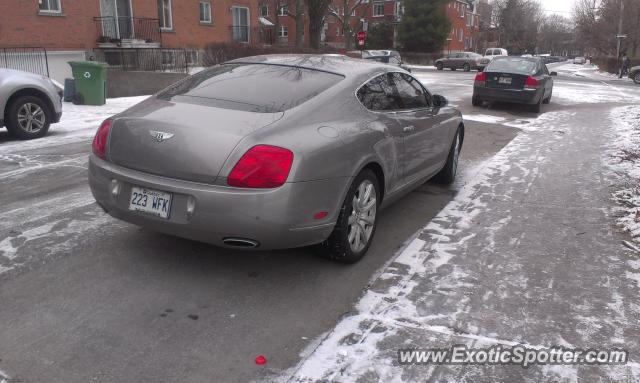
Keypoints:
pixel 160 136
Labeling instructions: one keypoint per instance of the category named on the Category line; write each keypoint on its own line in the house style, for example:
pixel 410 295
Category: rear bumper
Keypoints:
pixel 508 95
pixel 275 218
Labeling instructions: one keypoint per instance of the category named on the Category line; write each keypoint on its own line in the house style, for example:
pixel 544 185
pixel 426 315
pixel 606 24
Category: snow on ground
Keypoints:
pixel 78 122
pixel 624 159
pixel 341 353
pixel 586 70
pixel 43 226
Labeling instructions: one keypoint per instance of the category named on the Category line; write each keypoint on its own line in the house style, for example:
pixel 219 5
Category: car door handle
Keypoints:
pixel 409 128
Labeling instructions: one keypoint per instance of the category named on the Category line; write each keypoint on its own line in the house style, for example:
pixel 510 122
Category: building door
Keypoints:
pixel 241 24
pixel 116 19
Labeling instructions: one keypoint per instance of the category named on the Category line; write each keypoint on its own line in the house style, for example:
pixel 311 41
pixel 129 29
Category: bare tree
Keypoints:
pixel 597 25
pixel 316 9
pixel 343 12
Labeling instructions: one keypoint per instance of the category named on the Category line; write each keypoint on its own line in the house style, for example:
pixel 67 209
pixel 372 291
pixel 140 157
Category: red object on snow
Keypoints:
pixel 260 360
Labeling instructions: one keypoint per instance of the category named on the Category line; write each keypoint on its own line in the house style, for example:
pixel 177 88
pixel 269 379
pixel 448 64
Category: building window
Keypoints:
pixel 264 11
pixel 460 34
pixel 462 9
pixel 164 14
pixel 378 9
pixel 398 8
pixel 205 12
pixel 283 10
pixel 283 32
pixel 50 6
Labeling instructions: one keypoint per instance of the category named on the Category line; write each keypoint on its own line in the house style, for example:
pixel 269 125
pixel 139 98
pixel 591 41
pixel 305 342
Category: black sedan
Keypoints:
pixel 522 80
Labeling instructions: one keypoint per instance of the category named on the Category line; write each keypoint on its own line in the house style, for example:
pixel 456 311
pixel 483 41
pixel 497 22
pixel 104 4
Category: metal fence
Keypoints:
pixel 149 59
pixel 28 59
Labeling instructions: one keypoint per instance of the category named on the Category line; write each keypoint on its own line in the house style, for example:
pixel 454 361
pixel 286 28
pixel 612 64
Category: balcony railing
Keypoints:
pixel 115 29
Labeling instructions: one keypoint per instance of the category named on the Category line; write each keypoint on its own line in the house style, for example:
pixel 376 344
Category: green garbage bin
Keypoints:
pixel 91 82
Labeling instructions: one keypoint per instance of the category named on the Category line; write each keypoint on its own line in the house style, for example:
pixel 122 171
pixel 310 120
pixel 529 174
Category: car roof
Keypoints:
pixel 532 59
pixel 344 66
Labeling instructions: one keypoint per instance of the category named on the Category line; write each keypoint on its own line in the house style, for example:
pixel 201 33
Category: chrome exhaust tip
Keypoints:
pixel 241 243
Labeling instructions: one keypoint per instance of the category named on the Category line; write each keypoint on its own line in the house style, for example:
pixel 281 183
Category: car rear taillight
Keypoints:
pixel 531 83
pixel 262 167
pixel 99 144
pixel 481 79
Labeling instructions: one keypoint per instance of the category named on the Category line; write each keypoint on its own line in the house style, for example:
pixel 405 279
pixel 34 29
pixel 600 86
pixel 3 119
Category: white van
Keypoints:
pixel 490 54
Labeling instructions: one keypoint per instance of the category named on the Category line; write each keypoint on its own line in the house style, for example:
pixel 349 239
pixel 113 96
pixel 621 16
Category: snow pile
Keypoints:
pixel 624 159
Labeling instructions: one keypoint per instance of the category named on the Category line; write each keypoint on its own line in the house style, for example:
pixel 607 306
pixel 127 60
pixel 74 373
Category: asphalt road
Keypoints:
pixel 85 298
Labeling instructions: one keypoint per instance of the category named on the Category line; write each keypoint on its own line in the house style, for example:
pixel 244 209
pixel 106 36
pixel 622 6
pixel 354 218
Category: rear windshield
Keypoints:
pixel 512 65
pixel 252 87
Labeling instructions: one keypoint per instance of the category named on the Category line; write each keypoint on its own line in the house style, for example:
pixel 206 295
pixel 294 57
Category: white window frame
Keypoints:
pixel 208 6
pixel 263 8
pixel 461 35
pixel 378 6
pixel 163 17
pixel 283 31
pixel 463 9
pixel 398 8
pixel 283 10
pixel 49 9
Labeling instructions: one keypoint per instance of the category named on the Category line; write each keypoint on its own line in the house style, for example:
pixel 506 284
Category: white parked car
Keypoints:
pixel 29 103
pixel 489 54
pixel 579 60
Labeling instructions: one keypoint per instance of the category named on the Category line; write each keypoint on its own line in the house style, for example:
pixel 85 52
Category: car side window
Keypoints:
pixel 394 60
pixel 379 95
pixel 488 52
pixel 411 93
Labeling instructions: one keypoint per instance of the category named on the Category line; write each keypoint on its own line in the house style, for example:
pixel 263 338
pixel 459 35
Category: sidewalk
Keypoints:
pixel 527 254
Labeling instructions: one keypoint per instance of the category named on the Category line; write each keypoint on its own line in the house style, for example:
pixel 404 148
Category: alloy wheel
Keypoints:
pixel 31 117
pixel 363 216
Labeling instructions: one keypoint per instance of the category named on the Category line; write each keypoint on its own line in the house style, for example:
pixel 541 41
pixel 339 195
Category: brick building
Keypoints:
pixel 465 21
pixel 70 28
pixel 465 26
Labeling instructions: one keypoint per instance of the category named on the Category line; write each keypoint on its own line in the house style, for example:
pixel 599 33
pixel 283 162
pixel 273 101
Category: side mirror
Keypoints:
pixel 553 73
pixel 439 101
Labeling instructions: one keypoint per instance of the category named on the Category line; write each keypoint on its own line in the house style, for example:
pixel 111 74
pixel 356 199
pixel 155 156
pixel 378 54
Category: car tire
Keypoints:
pixel 439 66
pixel 466 67
pixel 475 101
pixel 453 69
pixel 448 173
pixel 537 108
pixel 341 246
pixel 636 78
pixel 29 117
pixel 548 99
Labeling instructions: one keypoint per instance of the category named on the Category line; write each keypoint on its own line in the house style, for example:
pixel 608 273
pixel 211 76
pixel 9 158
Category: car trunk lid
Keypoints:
pixel 181 140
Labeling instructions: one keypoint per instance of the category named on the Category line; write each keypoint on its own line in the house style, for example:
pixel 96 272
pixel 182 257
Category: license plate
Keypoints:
pixel 150 201
pixel 504 80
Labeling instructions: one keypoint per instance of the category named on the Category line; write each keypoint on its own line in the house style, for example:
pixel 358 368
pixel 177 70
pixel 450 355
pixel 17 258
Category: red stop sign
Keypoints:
pixel 362 36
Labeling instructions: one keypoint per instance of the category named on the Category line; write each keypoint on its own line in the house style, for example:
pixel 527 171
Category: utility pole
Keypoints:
pixel 620 36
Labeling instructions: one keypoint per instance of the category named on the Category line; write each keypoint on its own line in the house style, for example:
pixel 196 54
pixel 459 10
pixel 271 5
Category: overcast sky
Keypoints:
pixel 561 7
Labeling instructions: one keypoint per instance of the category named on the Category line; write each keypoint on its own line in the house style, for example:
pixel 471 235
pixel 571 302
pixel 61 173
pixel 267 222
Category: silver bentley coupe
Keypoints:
pixel 277 151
